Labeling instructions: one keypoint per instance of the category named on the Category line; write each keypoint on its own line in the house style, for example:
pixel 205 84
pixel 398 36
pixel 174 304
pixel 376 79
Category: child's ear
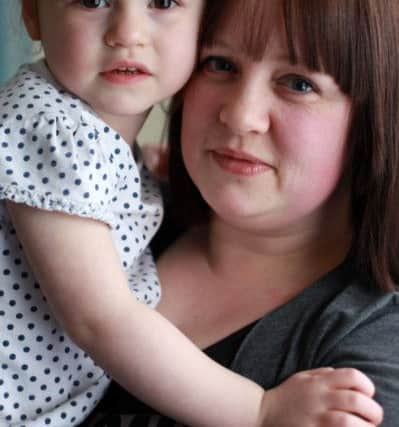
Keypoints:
pixel 30 16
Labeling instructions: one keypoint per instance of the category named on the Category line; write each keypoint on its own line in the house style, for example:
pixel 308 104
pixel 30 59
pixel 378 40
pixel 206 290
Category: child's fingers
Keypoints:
pixel 319 371
pixel 358 404
pixel 352 379
pixel 351 395
pixel 338 418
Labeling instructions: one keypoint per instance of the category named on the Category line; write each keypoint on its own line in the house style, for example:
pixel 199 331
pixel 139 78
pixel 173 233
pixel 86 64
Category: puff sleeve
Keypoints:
pixel 53 162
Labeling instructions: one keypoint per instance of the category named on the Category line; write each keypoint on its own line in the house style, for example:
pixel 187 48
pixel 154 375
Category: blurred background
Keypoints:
pixel 16 49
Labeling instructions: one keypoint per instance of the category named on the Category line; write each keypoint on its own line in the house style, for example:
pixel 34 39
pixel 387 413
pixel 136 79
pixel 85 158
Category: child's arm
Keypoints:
pixel 79 271
pixel 78 268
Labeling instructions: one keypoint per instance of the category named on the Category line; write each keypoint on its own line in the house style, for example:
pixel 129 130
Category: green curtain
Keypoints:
pixel 15 46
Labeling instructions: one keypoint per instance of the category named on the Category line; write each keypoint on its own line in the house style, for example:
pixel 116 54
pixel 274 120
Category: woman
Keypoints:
pixel 288 167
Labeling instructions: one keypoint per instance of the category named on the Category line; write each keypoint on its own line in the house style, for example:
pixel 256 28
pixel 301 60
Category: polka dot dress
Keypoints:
pixel 56 154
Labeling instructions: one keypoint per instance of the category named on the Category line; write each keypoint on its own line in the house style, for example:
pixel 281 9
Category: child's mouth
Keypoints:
pixel 126 70
pixel 123 72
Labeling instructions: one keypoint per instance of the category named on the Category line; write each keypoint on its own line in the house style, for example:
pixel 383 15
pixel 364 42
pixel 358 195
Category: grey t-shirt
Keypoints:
pixel 337 322
pixel 340 322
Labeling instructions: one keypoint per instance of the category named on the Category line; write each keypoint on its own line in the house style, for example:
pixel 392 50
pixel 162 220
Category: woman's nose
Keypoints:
pixel 246 111
pixel 127 27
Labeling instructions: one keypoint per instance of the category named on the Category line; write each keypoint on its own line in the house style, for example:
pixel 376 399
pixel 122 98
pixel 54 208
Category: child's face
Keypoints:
pixel 264 141
pixel 120 56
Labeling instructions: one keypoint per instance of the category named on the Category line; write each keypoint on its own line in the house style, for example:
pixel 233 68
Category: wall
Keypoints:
pixel 15 47
pixel 151 133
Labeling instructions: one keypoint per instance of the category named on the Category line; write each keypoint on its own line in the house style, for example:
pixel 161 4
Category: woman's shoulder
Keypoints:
pixel 360 316
pixel 360 300
pixel 359 329
pixel 347 298
pixel 352 305
pixel 337 314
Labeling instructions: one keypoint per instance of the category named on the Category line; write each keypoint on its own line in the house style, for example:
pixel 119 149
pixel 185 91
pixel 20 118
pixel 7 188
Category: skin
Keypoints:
pixel 292 121
pixel 255 135
pixel 265 143
pixel 81 42
pixel 105 324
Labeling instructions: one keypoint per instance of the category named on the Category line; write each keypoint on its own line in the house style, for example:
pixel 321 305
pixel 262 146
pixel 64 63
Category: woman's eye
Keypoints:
pixel 298 84
pixel 218 65
pixel 95 4
pixel 163 4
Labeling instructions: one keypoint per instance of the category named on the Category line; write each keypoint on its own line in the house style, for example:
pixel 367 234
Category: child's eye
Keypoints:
pixel 163 4
pixel 95 4
pixel 298 84
pixel 218 65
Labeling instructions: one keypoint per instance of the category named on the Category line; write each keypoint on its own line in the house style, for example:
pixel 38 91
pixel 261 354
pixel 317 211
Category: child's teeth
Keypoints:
pixel 127 69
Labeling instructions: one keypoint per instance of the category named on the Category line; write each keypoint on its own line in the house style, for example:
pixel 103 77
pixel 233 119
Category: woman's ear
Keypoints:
pixel 30 16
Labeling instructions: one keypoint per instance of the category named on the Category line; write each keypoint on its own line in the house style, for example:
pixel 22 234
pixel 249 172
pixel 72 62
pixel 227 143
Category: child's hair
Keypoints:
pixel 356 42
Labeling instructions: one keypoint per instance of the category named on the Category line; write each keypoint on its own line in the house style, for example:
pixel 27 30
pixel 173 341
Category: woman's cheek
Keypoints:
pixel 200 117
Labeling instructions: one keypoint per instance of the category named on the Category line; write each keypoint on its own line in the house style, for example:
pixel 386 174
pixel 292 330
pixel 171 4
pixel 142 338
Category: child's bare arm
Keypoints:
pixel 79 271
pixel 322 397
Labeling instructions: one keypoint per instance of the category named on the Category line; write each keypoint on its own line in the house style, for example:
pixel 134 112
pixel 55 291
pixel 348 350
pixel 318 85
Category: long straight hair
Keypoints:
pixel 357 43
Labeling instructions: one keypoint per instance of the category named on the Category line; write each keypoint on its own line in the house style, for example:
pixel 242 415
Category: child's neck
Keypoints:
pixel 127 126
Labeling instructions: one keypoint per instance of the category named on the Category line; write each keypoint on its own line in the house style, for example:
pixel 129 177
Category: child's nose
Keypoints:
pixel 246 111
pixel 127 28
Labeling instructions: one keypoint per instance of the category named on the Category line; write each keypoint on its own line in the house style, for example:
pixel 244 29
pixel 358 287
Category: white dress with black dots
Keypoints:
pixel 56 154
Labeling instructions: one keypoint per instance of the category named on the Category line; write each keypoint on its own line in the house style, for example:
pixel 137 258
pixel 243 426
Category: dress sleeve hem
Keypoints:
pixel 57 204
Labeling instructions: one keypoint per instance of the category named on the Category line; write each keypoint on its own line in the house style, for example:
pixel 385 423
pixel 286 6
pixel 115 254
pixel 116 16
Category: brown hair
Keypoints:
pixel 356 42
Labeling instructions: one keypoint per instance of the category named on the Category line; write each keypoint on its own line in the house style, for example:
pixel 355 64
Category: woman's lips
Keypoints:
pixel 239 162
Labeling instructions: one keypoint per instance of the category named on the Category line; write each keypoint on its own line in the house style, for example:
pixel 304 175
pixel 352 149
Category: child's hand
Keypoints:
pixel 324 397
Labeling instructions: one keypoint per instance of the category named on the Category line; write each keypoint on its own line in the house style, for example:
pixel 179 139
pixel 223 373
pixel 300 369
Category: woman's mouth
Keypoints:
pixel 239 162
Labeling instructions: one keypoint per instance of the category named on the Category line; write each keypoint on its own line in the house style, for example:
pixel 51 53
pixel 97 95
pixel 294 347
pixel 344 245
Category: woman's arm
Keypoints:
pixel 371 343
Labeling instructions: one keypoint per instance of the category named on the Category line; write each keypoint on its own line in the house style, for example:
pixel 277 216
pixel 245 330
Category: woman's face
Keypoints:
pixel 264 141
